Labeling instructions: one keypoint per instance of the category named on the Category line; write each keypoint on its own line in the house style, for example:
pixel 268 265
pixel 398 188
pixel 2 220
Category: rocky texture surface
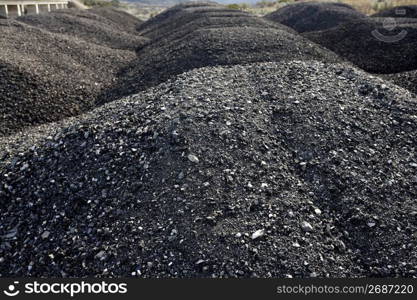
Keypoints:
pixel 47 76
pixel 294 168
pixel 119 18
pixel 407 80
pixel 91 26
pixel 312 16
pixel 201 37
pixel 377 45
pixel 405 11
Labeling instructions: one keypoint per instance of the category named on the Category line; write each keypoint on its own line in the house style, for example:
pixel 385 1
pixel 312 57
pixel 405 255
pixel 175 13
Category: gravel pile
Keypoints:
pixel 89 26
pixel 406 11
pixel 45 76
pixel 191 18
pixel 377 45
pixel 210 39
pixel 312 16
pixel 119 18
pixel 407 80
pixel 296 169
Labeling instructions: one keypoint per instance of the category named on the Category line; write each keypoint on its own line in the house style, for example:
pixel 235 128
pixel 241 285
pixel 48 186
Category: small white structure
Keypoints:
pixel 21 7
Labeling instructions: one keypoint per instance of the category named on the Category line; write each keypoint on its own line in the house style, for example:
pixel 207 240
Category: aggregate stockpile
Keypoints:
pixel 56 65
pixel 197 35
pixel 313 16
pixel 299 167
pixel 384 43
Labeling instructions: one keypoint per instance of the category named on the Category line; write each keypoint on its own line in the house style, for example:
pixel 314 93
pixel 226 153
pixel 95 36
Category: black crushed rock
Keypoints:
pixel 200 38
pixel 187 19
pixel 89 26
pixel 404 11
pixel 119 18
pixel 46 76
pixel 286 169
pixel 314 16
pixel 377 45
pixel 406 80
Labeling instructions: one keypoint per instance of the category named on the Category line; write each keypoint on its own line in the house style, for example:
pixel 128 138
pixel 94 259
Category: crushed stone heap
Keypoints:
pixel 377 45
pixel 312 16
pixel 47 76
pixel 290 168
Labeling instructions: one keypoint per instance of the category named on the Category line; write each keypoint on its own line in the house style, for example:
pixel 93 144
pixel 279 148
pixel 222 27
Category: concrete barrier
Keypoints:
pixel 17 8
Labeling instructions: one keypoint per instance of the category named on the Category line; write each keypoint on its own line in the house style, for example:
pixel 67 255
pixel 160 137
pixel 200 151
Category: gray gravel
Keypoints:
pixel 313 16
pixel 214 174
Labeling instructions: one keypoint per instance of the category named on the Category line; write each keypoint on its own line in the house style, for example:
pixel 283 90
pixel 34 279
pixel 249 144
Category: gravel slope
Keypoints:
pixel 405 11
pixel 356 42
pixel 46 76
pixel 89 26
pixel 273 169
pixel 120 18
pixel 312 16
pixel 407 80
pixel 194 37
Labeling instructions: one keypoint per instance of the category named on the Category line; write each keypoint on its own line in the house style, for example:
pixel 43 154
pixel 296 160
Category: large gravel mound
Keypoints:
pixel 274 169
pixel 312 16
pixel 406 11
pixel 208 38
pixel 122 19
pixel 378 45
pixel 46 76
pixel 87 26
pixel 173 12
pixel 210 16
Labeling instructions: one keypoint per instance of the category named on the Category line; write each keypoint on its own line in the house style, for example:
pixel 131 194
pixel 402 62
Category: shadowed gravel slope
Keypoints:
pixel 312 16
pixel 191 37
pixel 372 45
pixel 407 80
pixel 88 26
pixel 293 168
pixel 45 76
pixel 405 11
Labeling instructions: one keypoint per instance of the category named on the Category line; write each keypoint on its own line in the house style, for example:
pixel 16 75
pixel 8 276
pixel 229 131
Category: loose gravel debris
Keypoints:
pixel 405 11
pixel 407 80
pixel 210 39
pixel 47 76
pixel 377 45
pixel 302 135
pixel 312 16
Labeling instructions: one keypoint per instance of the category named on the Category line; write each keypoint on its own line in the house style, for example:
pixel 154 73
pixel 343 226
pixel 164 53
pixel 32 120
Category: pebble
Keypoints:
pixel 257 234
pixel 193 158
pixel 45 234
pixel 306 226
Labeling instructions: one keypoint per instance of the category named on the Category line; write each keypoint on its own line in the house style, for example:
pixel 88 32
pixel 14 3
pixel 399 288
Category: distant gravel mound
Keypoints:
pixel 312 16
pixel 88 26
pixel 45 76
pixel 210 16
pixel 377 45
pixel 298 168
pixel 120 18
pixel 407 80
pixel 173 12
pixel 210 38
pixel 406 11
